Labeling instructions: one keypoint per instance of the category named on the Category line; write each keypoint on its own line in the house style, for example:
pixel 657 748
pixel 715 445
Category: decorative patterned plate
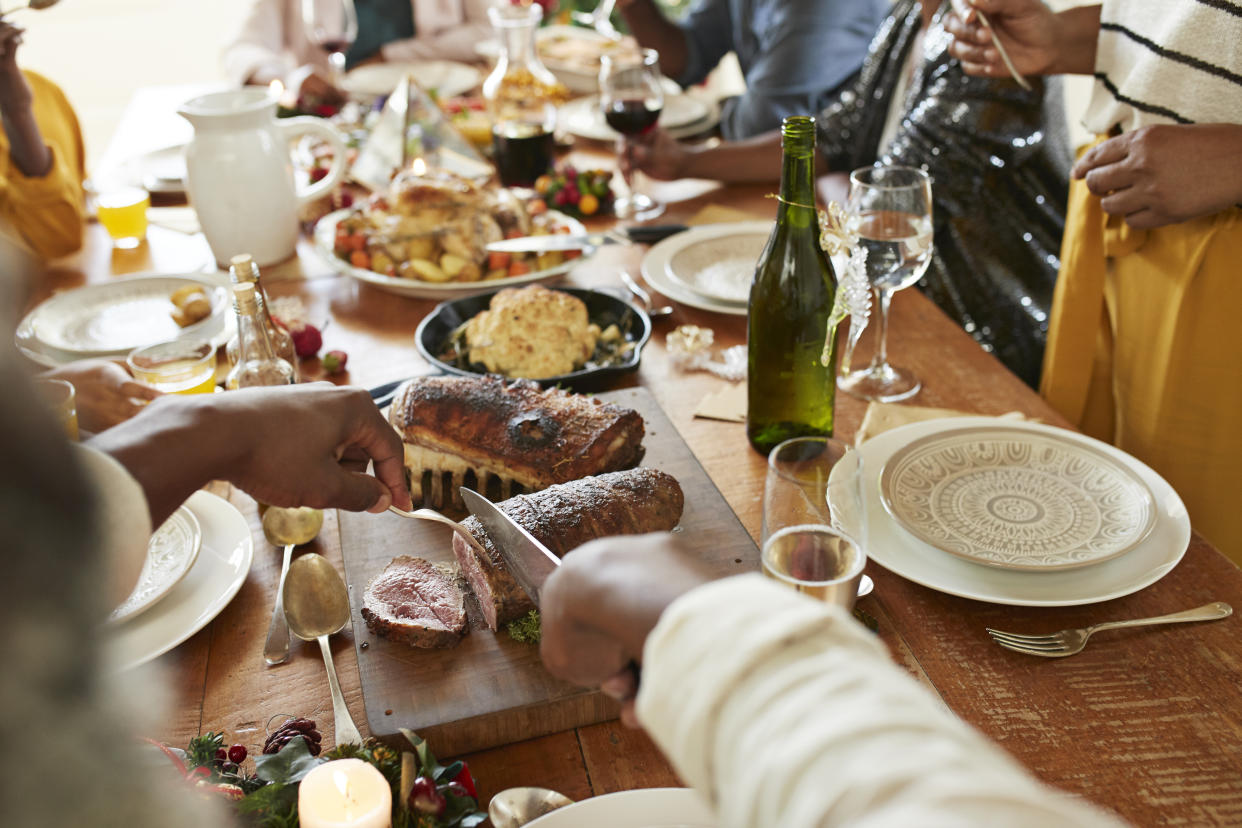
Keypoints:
pixel 1010 498
pixel 171 552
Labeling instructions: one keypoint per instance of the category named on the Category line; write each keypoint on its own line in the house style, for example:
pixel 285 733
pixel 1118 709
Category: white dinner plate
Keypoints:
pixel 162 170
pixel 719 265
pixel 171 553
pixel 683 117
pixel 325 237
pixel 448 78
pixel 641 808
pixel 221 569
pixel 656 263
pixel 113 318
pixel 891 546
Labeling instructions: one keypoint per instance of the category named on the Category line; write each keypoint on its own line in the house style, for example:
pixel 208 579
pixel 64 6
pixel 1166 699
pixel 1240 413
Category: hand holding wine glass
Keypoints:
pixel 332 25
pixel 631 99
pixel 893 208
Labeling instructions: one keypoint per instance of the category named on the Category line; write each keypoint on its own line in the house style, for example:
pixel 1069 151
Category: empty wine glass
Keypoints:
pixel 599 19
pixel 893 208
pixel 332 25
pixel 631 98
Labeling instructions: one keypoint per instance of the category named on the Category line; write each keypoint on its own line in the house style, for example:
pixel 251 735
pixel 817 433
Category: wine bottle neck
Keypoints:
pixel 798 171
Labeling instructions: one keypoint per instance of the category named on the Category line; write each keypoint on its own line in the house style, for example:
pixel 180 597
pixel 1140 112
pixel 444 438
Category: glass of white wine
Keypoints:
pixel 813 521
pixel 893 210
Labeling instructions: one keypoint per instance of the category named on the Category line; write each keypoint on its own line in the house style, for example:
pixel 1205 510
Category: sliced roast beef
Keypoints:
pixel 416 601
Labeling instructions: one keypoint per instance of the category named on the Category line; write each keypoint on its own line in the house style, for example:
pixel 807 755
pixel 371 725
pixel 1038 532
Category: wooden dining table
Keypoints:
pixel 1145 722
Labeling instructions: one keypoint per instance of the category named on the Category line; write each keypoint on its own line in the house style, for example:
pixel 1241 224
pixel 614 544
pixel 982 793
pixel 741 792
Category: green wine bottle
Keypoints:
pixel 791 393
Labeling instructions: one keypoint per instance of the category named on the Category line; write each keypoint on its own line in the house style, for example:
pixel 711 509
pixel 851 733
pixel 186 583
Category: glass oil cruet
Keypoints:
pixel 521 95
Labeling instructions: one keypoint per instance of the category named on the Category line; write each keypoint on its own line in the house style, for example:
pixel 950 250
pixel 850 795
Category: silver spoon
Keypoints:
pixel 317 605
pixel 643 296
pixel 287 528
pixel 514 807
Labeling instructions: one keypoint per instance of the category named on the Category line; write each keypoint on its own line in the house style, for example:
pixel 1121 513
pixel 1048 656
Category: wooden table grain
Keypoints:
pixel 1145 722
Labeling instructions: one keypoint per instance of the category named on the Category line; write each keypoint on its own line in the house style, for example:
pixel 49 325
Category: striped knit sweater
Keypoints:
pixel 1167 62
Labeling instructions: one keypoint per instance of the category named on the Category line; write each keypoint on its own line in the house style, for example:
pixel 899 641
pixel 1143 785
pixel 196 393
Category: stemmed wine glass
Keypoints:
pixel 893 208
pixel 600 19
pixel 332 25
pixel 631 98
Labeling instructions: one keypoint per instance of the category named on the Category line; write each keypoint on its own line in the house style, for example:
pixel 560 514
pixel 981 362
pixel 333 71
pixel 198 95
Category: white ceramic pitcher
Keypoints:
pixel 239 173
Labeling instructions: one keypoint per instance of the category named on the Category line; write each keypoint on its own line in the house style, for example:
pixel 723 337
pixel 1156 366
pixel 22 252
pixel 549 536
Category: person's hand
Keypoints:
pixel 321 90
pixel 656 153
pixel 599 606
pixel 308 445
pixel 1027 28
pixel 105 392
pixel 15 94
pixel 1165 174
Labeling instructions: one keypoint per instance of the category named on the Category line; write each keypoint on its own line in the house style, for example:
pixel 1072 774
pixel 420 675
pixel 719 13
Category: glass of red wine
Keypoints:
pixel 332 25
pixel 631 97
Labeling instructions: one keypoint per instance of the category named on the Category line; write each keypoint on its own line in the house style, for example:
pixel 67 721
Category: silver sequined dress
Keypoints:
pixel 999 159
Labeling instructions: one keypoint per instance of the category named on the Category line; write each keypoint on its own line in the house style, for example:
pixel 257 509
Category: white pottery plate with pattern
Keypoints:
pixel 171 552
pixel 1011 498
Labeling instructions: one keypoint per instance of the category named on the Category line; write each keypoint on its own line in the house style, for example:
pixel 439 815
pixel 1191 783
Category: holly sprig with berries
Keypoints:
pixel 426 794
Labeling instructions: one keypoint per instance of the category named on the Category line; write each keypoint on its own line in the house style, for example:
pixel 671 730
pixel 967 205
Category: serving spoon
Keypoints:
pixel 514 807
pixel 287 528
pixel 317 605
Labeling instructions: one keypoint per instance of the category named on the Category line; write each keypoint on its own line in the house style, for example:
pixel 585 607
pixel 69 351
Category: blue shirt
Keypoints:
pixel 793 53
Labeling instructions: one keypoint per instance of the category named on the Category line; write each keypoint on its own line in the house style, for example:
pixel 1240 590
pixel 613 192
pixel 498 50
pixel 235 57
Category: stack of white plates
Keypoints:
pixel 683 116
pixel 112 319
pixel 708 267
pixel 1018 513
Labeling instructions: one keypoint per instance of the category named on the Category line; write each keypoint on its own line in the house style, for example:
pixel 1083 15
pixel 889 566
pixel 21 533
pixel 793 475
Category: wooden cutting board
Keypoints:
pixel 490 690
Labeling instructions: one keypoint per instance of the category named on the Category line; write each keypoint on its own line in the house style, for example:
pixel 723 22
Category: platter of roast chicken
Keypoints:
pixel 433 612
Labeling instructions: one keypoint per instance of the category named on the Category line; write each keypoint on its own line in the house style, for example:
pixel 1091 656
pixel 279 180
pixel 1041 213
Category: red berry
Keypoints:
pixel 334 361
pixel 318 174
pixel 425 799
pixel 237 754
pixel 221 754
pixel 466 781
pixel 347 199
pixel 307 341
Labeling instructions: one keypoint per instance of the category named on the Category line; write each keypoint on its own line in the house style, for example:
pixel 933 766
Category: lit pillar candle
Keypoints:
pixel 346 792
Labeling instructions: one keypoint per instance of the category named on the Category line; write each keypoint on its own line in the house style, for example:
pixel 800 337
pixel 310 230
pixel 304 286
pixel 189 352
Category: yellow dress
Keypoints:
pixel 1145 351
pixel 47 212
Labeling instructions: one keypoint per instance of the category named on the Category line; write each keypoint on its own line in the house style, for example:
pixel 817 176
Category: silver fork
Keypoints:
pixel 1069 642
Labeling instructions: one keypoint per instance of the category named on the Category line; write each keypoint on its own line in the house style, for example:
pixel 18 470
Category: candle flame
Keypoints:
pixel 277 88
pixel 419 166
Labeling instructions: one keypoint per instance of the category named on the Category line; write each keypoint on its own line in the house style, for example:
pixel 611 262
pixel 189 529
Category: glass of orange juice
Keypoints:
pixel 60 395
pixel 179 367
pixel 123 213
